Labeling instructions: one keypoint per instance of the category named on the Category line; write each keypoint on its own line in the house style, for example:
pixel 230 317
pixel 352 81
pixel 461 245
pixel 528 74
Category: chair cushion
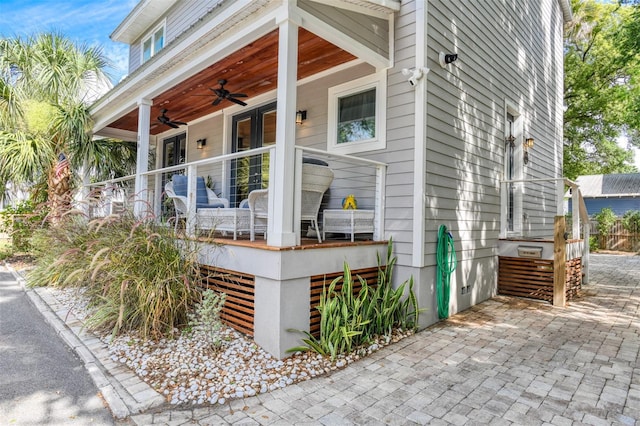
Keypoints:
pixel 180 185
pixel 201 192
pixel 180 188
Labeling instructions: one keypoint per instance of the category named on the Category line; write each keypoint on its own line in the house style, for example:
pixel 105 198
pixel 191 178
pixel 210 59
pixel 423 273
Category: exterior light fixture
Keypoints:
pixel 301 116
pixel 528 144
pixel 200 143
pixel 414 74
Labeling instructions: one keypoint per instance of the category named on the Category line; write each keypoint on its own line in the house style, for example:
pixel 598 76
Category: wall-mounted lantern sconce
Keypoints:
pixel 200 143
pixel 301 116
pixel 528 144
pixel 447 58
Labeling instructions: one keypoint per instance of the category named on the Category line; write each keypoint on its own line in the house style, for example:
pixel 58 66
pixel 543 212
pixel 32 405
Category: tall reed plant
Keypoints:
pixel 137 274
pixel 349 320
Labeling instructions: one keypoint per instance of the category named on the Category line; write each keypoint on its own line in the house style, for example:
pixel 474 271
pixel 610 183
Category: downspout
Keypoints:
pixel 420 138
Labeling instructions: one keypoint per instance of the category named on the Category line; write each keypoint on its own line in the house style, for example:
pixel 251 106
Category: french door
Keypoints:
pixel 174 152
pixel 250 130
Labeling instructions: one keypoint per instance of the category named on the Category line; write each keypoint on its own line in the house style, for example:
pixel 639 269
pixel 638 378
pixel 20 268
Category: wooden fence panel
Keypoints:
pixel 618 239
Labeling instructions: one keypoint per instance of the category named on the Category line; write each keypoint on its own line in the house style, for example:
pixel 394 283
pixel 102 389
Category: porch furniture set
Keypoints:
pixel 214 213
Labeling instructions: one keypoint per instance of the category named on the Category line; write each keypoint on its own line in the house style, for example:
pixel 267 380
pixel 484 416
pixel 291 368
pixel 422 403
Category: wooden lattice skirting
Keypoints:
pixel 239 307
pixel 533 278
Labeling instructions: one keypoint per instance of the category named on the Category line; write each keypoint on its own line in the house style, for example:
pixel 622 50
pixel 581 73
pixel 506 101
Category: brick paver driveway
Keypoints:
pixel 505 361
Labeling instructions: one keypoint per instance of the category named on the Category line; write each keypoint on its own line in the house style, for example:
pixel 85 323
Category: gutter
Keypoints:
pixel 567 14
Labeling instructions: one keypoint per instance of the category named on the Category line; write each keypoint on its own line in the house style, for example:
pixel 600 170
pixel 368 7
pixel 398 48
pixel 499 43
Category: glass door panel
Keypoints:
pixel 251 130
pixel 242 136
pixel 174 153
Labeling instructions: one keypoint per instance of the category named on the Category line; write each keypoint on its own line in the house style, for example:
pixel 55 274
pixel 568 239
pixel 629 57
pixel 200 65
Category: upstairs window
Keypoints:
pixel 153 43
pixel 357 115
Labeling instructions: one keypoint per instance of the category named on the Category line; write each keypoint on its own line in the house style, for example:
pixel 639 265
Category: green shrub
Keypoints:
pixel 206 318
pixel 594 245
pixel 631 221
pixel 348 321
pixel 19 222
pixel 606 219
pixel 137 275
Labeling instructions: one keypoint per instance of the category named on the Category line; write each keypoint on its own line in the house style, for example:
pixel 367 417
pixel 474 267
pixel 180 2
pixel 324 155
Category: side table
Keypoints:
pixel 224 219
pixel 347 221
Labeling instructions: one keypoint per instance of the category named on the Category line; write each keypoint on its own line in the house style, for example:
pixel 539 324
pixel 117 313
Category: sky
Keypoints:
pixel 89 21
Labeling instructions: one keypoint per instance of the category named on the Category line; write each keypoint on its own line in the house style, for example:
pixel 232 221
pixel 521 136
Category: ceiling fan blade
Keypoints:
pixel 170 124
pixel 237 95
pixel 179 123
pixel 216 101
pixel 236 101
pixel 219 92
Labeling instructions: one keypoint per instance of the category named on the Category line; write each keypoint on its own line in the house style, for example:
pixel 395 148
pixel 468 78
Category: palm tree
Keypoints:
pixel 46 86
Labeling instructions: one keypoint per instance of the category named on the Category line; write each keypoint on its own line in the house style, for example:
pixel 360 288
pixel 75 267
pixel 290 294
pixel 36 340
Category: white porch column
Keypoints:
pixel 192 183
pixel 281 201
pixel 141 207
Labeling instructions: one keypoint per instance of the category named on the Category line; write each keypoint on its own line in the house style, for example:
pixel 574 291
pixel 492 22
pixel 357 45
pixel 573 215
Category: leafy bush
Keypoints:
pixel 138 276
pixel 348 321
pixel 206 318
pixel 19 222
pixel 631 221
pixel 594 245
pixel 606 219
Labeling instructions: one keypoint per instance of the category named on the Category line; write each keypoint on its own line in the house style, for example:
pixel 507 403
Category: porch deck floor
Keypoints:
pixel 305 243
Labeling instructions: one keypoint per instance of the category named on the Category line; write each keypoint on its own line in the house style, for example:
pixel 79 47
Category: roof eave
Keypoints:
pixel 143 15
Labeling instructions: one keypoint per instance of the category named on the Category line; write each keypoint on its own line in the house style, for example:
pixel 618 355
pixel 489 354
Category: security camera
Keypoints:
pixel 447 58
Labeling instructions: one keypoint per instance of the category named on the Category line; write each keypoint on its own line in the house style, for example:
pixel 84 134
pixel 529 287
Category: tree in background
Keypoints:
pixel 602 88
pixel 47 84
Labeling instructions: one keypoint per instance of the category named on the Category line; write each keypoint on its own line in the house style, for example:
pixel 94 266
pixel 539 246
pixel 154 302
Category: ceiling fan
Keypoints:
pixel 223 94
pixel 169 122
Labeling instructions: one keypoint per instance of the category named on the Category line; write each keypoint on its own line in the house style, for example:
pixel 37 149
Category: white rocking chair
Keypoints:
pixel 316 179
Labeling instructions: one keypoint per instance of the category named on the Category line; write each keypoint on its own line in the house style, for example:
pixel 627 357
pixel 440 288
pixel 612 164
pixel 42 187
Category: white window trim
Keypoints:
pixel 379 82
pixel 150 35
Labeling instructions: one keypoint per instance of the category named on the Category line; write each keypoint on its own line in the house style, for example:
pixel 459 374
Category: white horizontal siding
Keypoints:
pixel 505 51
pixel 179 19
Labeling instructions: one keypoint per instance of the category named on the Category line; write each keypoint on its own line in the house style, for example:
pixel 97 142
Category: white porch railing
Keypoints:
pixel 233 176
pixel 108 197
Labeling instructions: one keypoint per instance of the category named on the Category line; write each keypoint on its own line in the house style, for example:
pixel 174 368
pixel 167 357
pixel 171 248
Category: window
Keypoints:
pixel 357 115
pixel 512 216
pixel 153 43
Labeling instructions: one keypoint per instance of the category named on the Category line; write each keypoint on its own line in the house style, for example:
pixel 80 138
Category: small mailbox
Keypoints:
pixel 530 251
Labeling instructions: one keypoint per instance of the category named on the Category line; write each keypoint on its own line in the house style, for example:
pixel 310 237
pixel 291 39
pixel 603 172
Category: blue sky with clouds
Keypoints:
pixel 89 22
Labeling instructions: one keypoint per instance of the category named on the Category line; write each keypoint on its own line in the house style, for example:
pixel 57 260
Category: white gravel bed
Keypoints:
pixel 186 370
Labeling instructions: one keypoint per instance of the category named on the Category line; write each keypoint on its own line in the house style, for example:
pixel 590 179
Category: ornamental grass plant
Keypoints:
pixel 136 274
pixel 349 320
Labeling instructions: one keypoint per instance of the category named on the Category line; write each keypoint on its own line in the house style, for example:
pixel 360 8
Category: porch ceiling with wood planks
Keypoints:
pixel 252 69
